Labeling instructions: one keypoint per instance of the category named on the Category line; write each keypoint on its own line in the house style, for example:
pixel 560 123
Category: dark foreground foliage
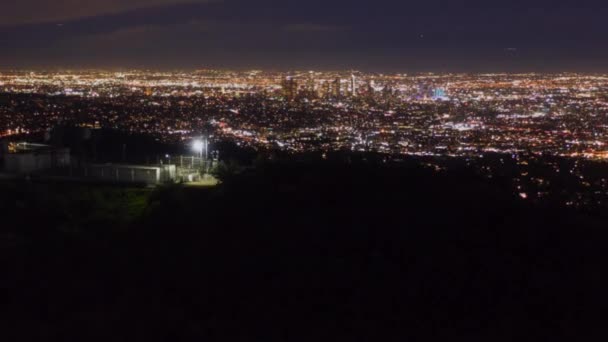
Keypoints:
pixel 299 252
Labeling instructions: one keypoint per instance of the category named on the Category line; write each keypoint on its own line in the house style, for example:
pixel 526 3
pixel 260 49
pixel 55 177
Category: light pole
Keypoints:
pixel 198 146
pixel 206 149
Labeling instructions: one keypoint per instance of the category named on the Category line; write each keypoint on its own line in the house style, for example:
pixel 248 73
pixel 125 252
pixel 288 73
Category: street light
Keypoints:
pixel 197 146
pixel 206 149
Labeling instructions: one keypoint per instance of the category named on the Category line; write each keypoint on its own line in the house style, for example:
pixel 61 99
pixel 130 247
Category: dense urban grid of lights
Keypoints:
pixel 426 114
pixel 542 132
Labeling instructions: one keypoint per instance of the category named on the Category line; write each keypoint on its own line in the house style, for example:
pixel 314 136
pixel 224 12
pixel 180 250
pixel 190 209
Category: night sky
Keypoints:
pixel 378 35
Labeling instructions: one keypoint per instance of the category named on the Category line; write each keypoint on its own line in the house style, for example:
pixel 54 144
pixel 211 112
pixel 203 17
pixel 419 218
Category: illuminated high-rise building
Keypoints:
pixel 439 94
pixel 310 83
pixel 425 91
pixel 290 88
pixel 336 91
pixel 353 85
pixel 310 87
pixel 369 93
pixel 325 90
pixel 388 91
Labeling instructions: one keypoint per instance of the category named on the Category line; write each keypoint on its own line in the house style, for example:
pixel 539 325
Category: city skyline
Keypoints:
pixel 424 114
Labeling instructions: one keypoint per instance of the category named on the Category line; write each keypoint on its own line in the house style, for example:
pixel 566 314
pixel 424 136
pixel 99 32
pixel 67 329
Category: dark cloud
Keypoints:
pixel 383 34
pixel 313 28
pixel 37 11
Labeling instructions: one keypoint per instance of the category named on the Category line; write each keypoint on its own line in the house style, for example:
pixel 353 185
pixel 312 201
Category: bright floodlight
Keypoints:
pixel 197 146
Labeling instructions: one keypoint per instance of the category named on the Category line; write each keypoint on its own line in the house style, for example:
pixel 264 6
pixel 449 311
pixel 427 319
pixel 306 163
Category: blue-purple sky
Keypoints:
pixel 377 35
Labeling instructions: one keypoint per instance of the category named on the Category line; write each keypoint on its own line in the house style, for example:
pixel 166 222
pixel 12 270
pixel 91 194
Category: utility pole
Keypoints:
pixel 206 148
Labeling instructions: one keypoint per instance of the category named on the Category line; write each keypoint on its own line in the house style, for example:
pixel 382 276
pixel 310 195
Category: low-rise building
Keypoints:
pixel 121 173
pixel 26 158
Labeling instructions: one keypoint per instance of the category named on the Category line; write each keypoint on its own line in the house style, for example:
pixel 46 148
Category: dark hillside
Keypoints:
pixel 306 251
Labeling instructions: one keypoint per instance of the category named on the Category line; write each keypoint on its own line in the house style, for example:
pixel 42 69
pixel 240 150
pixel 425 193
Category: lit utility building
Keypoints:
pixel 137 174
pixel 26 158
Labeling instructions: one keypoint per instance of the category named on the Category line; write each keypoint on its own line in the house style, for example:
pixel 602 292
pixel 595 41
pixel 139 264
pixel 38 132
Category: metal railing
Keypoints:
pixel 190 164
